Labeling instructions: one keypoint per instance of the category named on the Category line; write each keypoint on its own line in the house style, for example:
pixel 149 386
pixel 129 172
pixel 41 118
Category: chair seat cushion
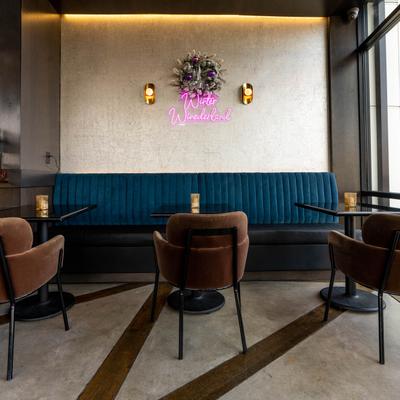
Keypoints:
pixel 292 233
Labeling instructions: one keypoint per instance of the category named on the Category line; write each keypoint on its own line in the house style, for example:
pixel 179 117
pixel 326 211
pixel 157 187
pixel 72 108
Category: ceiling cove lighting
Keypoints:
pixel 190 17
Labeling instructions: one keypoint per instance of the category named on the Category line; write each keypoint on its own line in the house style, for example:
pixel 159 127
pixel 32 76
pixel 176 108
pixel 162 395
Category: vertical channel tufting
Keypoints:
pixel 231 188
pixel 287 212
pixel 308 198
pixel 259 198
pixel 280 191
pixel 245 196
pixel 267 198
pixel 136 198
pixel 300 196
pixel 295 197
pixel 273 199
pixel 57 189
pixel 178 188
pixel 82 195
pixel 314 216
pixel 129 199
pixel 148 200
pixel 72 190
pixel 160 183
pixel 106 199
pixel 202 188
pixel 252 197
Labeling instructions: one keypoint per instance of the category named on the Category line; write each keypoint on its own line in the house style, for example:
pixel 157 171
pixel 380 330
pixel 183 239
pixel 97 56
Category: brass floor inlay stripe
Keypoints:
pixel 98 294
pixel 108 291
pixel 110 376
pixel 226 376
pixel 396 297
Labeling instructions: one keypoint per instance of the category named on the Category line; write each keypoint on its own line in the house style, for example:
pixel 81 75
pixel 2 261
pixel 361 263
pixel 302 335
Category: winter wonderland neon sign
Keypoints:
pixel 198 108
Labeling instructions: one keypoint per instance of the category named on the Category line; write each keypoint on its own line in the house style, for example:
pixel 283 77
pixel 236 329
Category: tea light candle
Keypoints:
pixel 195 201
pixel 350 199
pixel 42 213
pixel 42 202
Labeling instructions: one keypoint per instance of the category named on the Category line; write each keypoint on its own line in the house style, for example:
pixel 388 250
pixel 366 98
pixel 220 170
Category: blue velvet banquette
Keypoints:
pixel 117 235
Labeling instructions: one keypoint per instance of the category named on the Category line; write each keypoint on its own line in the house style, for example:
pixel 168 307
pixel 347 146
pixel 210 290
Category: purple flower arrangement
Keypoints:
pixel 199 74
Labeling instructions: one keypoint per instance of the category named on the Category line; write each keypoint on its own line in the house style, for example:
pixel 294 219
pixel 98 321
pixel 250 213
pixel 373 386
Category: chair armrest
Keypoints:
pixel 34 268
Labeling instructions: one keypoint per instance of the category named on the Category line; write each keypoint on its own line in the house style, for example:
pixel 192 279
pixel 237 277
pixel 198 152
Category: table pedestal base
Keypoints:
pixel 32 309
pixel 361 301
pixel 198 301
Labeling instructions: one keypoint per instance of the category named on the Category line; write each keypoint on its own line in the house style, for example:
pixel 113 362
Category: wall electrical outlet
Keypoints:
pixel 47 157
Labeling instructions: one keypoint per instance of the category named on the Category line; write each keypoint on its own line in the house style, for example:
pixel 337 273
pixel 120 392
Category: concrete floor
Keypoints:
pixel 337 362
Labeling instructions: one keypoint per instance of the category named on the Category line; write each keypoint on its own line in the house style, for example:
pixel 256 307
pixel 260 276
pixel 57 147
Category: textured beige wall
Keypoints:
pixel 106 127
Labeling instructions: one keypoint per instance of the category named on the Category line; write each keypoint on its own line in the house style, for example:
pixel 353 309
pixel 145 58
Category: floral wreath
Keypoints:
pixel 199 74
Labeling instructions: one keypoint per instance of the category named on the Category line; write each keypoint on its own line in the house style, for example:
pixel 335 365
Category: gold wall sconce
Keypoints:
pixel 247 93
pixel 149 93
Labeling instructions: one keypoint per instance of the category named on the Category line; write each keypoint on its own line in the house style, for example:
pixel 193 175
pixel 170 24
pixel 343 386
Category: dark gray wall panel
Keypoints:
pixel 10 99
pixel 40 90
pixel 345 146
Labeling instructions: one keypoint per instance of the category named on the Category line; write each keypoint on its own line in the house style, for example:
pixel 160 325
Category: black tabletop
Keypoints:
pixel 56 213
pixel 167 211
pixel 339 209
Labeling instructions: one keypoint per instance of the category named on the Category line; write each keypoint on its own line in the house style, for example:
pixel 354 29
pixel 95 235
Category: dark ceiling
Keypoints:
pixel 312 8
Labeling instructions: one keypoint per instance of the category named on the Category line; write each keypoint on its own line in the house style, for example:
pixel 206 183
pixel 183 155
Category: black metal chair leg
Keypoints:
pixel 330 291
pixel 239 314
pixel 240 296
pixel 381 330
pixel 11 335
pixel 181 306
pixel 155 291
pixel 64 311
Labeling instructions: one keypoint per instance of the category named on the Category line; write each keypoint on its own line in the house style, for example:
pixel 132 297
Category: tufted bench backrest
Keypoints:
pixel 129 199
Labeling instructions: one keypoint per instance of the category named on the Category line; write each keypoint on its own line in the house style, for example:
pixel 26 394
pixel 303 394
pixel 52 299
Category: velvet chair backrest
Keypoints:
pixel 29 268
pixel 379 229
pixel 365 261
pixel 16 234
pixel 210 259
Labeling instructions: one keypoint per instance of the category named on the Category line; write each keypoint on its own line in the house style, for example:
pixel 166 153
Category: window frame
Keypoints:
pixel 366 42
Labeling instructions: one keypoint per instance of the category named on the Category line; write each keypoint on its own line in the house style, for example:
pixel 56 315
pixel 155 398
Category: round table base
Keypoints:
pixel 31 309
pixel 198 301
pixel 362 301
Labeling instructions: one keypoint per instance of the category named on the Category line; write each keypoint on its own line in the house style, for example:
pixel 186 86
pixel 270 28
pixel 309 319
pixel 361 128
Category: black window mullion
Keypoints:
pixel 381 105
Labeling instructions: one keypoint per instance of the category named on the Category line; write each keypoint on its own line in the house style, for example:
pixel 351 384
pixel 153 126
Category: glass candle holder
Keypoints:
pixel 195 202
pixel 42 213
pixel 350 199
pixel 42 202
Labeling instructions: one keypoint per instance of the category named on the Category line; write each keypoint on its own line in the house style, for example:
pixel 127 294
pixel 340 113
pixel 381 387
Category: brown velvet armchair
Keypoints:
pixel 201 252
pixel 374 262
pixel 25 269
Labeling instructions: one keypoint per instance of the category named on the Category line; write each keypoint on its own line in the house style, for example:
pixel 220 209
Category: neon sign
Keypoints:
pixel 200 108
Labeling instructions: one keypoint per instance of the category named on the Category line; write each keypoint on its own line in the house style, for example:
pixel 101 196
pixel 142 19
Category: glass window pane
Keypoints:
pixel 373 139
pixel 392 41
pixel 390 5
pixel 377 11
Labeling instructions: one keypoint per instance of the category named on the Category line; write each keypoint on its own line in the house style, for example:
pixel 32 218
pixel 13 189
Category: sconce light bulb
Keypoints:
pixel 149 92
pixel 248 92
